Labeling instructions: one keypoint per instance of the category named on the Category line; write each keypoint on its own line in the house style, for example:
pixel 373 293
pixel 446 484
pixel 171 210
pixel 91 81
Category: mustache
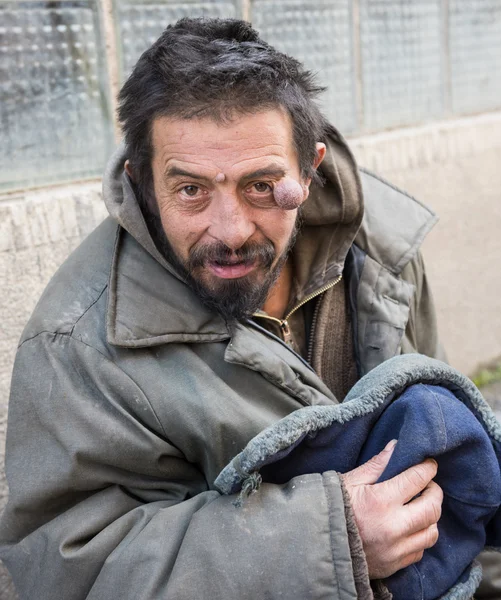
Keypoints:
pixel 219 253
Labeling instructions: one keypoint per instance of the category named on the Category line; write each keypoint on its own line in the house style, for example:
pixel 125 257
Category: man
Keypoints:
pixel 187 323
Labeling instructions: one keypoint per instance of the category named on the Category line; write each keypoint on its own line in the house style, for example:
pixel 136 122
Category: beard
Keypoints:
pixel 233 299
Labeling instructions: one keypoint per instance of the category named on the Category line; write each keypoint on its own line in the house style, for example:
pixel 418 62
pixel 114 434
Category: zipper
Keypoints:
pixel 313 328
pixel 267 333
pixel 284 324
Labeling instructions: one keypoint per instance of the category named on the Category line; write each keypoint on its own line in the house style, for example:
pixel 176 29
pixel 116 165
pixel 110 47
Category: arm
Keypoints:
pixel 103 506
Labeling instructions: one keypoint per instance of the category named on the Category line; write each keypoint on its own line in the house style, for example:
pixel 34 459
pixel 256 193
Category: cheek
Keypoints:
pixel 181 230
pixel 278 227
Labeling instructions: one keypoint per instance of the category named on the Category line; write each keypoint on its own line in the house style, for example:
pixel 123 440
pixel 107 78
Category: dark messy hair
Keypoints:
pixel 215 68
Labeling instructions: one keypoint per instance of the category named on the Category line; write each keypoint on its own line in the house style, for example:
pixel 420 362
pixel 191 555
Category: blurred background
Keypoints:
pixel 415 85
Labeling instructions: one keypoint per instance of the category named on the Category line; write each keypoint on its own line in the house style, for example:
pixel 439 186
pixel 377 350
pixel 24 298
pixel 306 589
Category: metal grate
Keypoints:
pixel 141 23
pixel 475 55
pixel 54 115
pixel 402 69
pixel 320 35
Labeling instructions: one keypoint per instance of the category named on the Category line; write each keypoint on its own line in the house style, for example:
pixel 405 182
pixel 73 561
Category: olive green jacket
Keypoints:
pixel 129 397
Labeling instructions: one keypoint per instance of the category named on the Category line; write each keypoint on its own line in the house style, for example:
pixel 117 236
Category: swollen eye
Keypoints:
pixel 289 194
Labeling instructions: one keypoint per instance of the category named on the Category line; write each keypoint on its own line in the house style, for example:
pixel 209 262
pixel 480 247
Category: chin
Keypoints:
pixel 234 299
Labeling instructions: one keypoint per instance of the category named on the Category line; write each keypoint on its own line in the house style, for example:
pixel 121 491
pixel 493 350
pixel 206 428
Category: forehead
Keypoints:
pixel 241 142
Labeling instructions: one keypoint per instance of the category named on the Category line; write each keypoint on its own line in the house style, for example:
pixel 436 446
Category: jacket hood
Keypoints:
pixel 121 202
pixel 331 215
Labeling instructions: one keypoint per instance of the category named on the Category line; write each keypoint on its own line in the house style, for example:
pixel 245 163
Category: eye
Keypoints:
pixel 190 190
pixel 260 194
pixel 262 187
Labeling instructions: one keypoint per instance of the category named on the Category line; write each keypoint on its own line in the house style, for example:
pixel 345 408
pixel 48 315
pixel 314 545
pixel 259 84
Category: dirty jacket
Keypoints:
pixel 129 397
pixel 433 411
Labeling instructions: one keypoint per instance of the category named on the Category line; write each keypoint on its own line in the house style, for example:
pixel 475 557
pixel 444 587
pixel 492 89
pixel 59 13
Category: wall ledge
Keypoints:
pixel 420 146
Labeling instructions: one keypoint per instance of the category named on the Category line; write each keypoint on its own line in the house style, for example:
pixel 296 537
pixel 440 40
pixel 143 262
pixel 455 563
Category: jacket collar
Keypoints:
pixel 148 305
pixel 394 224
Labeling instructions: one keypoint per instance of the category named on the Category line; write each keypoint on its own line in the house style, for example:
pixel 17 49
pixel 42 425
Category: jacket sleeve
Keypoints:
pixel 102 506
pixel 421 334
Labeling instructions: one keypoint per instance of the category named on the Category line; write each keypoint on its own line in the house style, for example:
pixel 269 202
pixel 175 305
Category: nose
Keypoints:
pixel 231 220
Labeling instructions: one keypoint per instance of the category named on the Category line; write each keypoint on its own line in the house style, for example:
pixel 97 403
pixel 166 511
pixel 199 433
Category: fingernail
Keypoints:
pixel 390 445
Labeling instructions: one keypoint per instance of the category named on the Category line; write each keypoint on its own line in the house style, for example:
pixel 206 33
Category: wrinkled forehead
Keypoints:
pixel 243 142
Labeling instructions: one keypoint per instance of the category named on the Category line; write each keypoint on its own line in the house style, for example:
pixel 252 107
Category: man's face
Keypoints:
pixel 213 184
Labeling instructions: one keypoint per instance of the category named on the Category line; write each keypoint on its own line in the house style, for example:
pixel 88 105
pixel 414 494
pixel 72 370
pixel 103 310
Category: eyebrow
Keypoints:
pixel 178 172
pixel 273 170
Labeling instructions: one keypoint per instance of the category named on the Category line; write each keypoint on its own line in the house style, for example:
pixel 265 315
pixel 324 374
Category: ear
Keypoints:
pixel 321 150
pixel 128 170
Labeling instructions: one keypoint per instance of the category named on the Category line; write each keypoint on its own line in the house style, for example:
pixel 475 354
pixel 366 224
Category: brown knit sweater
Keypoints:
pixel 333 352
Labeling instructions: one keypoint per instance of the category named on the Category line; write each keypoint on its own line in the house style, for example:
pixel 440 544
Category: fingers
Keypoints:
pixel 426 510
pixel 370 471
pixel 409 483
pixel 416 544
pixel 395 524
pixel 404 553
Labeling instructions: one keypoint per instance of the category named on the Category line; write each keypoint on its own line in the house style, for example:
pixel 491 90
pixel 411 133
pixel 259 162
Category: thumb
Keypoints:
pixel 370 471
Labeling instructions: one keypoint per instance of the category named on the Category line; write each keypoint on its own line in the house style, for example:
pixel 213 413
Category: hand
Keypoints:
pixel 395 529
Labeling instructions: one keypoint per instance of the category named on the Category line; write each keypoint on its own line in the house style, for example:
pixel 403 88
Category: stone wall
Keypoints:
pixel 453 166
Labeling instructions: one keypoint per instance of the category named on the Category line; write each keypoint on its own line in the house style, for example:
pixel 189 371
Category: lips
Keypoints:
pixel 231 270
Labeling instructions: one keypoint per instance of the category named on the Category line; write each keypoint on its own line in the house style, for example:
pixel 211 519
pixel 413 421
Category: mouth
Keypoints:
pixel 231 269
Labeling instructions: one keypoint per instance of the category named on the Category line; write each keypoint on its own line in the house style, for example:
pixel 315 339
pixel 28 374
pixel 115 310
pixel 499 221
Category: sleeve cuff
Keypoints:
pixel 366 590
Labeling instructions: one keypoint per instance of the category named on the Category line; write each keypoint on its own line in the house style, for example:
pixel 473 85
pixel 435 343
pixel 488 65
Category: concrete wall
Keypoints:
pixel 453 166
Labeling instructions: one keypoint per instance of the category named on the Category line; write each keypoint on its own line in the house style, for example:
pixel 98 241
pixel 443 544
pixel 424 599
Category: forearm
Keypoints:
pixel 104 506
pixel 285 541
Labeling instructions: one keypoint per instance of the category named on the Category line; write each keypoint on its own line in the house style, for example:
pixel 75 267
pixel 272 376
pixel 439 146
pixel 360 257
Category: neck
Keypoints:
pixel 278 298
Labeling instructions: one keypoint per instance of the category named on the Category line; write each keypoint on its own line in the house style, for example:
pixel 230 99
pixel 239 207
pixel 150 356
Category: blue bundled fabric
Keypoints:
pixel 433 411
